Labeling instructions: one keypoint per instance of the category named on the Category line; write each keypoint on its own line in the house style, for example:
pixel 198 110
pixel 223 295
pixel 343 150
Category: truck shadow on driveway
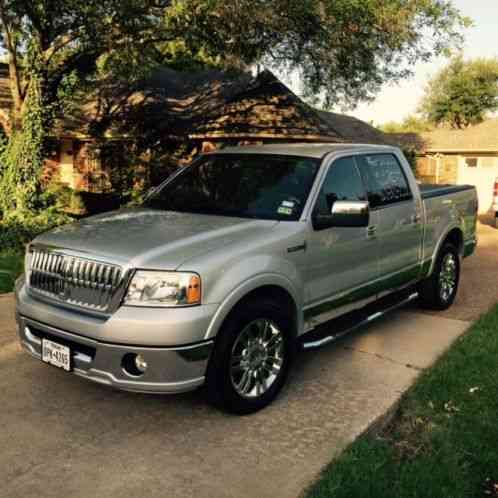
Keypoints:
pixel 107 443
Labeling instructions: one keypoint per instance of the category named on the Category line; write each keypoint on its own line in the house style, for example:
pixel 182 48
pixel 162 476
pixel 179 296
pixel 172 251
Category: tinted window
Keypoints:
pixel 384 178
pixel 342 183
pixel 248 186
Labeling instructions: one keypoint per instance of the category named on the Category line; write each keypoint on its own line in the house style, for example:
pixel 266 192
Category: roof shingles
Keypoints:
pixel 207 105
pixel 481 137
pixel 478 138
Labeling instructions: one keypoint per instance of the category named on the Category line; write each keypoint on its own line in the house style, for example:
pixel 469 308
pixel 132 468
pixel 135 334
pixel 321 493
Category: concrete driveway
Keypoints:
pixel 62 436
pixel 479 281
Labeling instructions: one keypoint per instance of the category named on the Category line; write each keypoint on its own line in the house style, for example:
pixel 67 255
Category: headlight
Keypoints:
pixel 161 288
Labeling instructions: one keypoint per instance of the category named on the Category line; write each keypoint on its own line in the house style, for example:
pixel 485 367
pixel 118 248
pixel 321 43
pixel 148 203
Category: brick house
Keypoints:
pixel 179 114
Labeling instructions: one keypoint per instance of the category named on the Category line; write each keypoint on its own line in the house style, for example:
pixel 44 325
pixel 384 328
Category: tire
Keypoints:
pixel 240 362
pixel 438 291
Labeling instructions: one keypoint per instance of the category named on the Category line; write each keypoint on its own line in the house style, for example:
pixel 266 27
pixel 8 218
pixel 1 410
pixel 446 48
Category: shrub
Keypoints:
pixel 11 266
pixel 19 228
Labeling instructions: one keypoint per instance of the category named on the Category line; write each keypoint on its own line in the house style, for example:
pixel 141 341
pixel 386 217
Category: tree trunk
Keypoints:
pixel 15 90
pixel 14 73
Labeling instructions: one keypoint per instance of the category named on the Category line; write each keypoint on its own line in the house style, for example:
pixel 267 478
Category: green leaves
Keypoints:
pixel 342 49
pixel 462 93
pixel 411 124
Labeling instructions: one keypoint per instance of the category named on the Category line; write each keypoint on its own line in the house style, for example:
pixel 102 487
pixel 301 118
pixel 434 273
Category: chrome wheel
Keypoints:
pixel 448 277
pixel 257 358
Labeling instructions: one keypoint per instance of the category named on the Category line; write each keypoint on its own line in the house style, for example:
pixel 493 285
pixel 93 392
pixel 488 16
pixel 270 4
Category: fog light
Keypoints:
pixel 140 363
pixel 134 364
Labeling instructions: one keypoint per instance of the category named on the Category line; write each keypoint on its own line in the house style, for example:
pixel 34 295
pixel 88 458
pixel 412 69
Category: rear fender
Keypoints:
pixel 440 243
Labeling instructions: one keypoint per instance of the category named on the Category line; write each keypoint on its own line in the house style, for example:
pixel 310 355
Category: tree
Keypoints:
pixel 66 37
pixel 53 46
pixel 462 93
pixel 411 124
pixel 343 49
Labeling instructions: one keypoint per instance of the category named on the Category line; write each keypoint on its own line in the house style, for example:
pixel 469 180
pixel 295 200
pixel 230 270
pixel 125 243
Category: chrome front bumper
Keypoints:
pixel 170 369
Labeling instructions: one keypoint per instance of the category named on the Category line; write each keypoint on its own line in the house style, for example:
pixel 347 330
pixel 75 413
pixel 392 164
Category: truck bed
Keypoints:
pixel 428 190
pixel 447 205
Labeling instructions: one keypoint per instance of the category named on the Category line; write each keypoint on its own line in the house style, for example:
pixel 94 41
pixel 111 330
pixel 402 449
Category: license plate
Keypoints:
pixel 56 354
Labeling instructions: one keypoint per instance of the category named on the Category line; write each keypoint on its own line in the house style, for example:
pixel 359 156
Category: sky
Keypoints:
pixel 395 102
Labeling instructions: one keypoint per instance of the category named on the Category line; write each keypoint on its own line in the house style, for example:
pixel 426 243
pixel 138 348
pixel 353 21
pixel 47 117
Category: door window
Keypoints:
pixel 471 162
pixel 384 178
pixel 342 183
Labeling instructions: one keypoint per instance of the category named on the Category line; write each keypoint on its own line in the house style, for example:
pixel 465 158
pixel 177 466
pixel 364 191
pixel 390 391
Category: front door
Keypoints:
pixel 342 261
pixel 398 228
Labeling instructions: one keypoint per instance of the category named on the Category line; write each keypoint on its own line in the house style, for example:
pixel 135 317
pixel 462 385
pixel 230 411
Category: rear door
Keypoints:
pixel 341 260
pixel 398 228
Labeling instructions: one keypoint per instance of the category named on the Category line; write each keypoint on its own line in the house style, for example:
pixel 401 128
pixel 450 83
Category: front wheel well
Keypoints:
pixel 274 292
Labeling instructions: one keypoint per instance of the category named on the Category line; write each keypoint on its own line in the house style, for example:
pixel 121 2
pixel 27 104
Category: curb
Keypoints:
pixel 374 429
pixel 382 422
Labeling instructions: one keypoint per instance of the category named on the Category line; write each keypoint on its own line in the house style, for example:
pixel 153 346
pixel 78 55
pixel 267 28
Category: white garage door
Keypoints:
pixel 480 172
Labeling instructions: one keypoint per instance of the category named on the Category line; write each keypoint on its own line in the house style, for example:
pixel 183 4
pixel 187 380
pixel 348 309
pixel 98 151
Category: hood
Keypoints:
pixel 147 238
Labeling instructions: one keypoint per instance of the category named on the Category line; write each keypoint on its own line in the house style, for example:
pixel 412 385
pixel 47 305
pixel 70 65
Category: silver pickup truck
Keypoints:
pixel 236 262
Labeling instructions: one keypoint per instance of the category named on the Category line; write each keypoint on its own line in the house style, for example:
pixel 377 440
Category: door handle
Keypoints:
pixel 416 218
pixel 371 231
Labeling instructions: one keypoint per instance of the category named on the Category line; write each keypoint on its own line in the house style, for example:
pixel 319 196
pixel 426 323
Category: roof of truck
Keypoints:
pixel 317 150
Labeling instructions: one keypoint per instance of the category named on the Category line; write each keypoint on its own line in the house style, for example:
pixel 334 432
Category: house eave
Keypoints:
pixel 82 137
pixel 257 136
pixel 461 151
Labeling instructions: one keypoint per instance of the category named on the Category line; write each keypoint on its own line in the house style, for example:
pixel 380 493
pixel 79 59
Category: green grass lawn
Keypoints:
pixel 11 266
pixel 443 441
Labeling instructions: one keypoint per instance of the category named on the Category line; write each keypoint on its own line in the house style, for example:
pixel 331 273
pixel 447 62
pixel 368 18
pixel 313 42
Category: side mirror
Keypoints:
pixel 344 214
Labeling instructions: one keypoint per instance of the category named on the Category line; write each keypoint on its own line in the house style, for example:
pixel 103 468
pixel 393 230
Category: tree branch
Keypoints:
pixel 59 45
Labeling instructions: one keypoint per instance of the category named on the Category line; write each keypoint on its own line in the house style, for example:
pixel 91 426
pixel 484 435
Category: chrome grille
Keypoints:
pixel 74 280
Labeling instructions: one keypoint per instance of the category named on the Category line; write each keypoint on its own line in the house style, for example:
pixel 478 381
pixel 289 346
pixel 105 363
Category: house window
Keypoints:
pixel 471 162
pixel 66 163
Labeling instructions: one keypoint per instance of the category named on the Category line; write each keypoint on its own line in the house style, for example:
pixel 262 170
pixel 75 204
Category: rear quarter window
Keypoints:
pixel 384 179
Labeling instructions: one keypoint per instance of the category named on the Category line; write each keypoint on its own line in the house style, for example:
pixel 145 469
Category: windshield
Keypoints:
pixel 249 186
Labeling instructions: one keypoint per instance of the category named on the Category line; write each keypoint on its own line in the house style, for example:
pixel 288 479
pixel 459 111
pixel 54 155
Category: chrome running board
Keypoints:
pixel 344 325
